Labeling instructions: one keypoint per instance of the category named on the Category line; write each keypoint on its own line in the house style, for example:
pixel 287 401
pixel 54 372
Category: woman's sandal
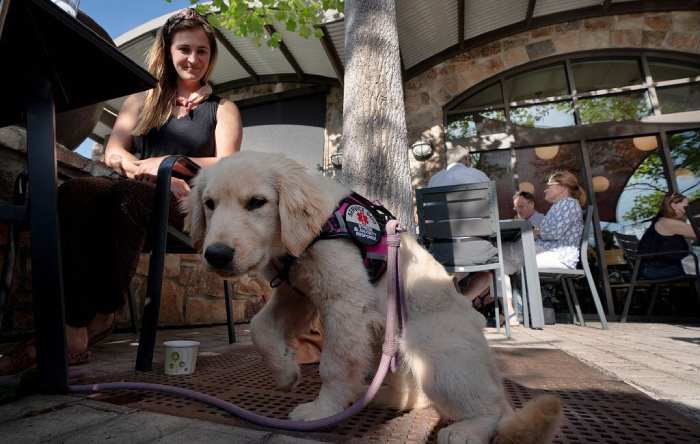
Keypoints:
pixel 21 359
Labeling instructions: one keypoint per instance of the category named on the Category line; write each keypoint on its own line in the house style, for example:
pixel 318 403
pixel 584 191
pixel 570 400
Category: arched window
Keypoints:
pixel 628 173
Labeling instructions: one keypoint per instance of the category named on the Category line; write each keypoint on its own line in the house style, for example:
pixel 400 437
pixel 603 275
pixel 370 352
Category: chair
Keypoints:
pixel 566 276
pixel 167 239
pixel 693 213
pixel 630 247
pixel 453 220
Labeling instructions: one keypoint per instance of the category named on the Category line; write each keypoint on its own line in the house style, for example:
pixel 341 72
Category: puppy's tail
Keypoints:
pixel 535 423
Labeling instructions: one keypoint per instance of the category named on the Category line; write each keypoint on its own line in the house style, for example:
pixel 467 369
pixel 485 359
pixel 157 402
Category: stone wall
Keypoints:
pixel 427 93
pixel 191 295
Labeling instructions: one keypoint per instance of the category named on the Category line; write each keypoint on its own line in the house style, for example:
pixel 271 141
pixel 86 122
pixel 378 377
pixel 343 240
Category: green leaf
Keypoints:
pixel 291 25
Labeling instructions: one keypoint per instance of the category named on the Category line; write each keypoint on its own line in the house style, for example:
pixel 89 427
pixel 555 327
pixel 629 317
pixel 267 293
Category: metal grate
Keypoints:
pixel 597 409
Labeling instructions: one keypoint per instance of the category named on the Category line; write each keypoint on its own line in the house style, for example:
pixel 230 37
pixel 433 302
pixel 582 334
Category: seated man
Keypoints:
pixel 524 206
pixel 458 171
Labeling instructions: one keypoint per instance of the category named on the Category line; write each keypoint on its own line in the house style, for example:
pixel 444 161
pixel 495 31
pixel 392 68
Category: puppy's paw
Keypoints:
pixel 451 436
pixel 287 378
pixel 310 411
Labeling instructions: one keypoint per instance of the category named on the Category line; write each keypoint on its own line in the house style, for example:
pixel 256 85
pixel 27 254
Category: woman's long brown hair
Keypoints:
pixel 666 208
pixel 157 107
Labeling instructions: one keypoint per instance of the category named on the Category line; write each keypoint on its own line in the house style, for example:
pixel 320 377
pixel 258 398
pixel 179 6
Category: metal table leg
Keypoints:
pixel 47 282
pixel 532 277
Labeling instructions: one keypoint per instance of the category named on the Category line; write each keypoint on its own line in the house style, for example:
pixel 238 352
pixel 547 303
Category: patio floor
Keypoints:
pixel 601 399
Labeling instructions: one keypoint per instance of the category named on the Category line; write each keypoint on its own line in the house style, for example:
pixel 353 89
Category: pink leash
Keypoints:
pixel 395 310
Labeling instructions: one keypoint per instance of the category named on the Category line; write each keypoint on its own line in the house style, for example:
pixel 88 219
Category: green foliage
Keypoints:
pixel 685 153
pixel 249 18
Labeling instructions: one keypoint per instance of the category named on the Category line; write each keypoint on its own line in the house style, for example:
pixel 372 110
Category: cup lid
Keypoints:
pixel 181 344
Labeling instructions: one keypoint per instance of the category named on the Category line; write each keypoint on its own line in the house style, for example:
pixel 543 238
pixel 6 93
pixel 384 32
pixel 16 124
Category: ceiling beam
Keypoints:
pixel 332 54
pixel 284 95
pixel 287 53
pixel 108 117
pixel 460 22
pixel 530 12
pixel 274 78
pixel 552 19
pixel 234 53
pixel 606 5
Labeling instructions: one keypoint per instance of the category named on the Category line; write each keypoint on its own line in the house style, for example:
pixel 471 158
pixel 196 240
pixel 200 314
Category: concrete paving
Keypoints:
pixel 661 360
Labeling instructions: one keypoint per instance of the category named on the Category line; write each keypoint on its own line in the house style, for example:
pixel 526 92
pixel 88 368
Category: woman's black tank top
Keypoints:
pixel 191 135
pixel 653 242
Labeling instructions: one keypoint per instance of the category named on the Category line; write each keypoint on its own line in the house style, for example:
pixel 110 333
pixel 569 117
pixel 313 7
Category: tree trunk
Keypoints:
pixel 375 142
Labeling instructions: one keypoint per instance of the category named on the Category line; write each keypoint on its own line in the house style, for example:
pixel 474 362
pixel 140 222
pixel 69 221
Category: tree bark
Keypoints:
pixel 375 142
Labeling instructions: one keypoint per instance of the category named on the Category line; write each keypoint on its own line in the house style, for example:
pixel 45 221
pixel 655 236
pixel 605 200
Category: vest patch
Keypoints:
pixel 363 222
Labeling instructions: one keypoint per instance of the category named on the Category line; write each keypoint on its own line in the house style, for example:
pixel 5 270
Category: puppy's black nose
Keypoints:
pixel 219 255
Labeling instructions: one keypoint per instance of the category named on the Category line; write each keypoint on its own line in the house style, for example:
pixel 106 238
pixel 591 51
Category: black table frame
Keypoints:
pixel 43 79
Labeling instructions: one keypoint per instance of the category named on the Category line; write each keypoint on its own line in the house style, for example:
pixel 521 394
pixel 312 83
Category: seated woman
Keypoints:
pixel 668 232
pixel 104 220
pixel 557 239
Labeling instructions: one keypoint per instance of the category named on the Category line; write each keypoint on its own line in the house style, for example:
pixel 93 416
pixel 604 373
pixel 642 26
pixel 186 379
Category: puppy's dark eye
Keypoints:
pixel 255 202
pixel 209 203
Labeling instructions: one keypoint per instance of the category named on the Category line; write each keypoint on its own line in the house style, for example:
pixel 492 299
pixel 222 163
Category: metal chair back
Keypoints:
pixel 629 245
pixel 693 212
pixel 450 218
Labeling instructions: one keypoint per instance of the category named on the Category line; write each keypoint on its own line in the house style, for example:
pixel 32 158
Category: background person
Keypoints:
pixel 524 206
pixel 557 239
pixel 103 220
pixel 458 170
pixel 668 231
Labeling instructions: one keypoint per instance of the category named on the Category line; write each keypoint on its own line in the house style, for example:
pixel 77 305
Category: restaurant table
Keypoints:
pixel 52 63
pixel 515 230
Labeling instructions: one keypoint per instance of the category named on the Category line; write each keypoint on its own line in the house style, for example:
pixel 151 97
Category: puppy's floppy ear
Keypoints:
pixel 195 220
pixel 303 207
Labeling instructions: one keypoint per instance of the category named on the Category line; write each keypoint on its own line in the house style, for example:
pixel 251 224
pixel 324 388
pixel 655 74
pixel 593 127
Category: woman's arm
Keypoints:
pixel 668 227
pixel 118 150
pixel 228 134
pixel 558 219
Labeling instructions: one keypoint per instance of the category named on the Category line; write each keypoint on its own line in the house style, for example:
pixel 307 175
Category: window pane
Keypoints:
pixel 491 96
pixel 604 74
pixel 680 98
pixel 534 165
pixel 479 130
pixel 496 165
pixel 661 71
pixel 685 152
pixel 538 84
pixel 614 108
pixel 548 115
pixel 628 182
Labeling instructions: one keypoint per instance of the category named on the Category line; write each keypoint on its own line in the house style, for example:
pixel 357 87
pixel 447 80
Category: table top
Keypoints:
pixel 512 224
pixel 84 69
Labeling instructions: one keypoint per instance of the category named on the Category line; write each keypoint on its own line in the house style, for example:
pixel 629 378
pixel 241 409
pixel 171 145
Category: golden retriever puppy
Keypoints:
pixel 251 208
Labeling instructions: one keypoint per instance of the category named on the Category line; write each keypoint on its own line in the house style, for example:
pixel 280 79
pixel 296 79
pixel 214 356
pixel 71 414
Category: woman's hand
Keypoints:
pixel 194 99
pixel 179 188
pixel 536 231
pixel 147 167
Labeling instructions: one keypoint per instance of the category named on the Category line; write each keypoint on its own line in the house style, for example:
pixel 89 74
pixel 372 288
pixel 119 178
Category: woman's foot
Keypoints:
pixel 100 328
pixel 23 357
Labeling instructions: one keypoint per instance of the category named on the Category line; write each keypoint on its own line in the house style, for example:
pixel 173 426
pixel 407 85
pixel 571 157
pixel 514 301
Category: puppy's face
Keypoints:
pixel 251 207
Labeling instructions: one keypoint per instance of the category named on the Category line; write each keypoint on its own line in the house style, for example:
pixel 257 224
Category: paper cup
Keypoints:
pixel 180 357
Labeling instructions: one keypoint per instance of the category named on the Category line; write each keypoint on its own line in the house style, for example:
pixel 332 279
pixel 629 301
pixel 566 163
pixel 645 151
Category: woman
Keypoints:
pixel 557 239
pixel 668 232
pixel 104 220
